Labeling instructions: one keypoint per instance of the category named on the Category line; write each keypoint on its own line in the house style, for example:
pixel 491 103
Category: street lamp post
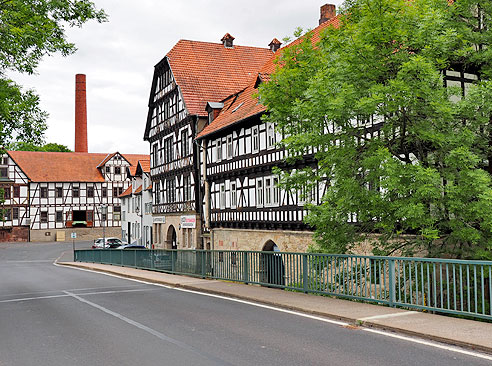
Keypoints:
pixel 139 213
pixel 104 211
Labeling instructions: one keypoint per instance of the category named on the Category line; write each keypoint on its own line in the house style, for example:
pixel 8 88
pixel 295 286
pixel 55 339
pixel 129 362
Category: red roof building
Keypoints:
pixel 68 191
pixel 192 76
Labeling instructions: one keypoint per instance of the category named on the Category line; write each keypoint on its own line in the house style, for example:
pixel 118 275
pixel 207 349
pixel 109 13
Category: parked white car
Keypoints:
pixel 111 243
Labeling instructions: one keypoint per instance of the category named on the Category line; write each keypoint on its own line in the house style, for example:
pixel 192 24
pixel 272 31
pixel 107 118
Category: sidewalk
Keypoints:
pixel 459 332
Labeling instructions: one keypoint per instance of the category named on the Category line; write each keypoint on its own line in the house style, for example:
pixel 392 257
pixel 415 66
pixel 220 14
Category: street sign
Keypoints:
pixel 73 235
pixel 188 222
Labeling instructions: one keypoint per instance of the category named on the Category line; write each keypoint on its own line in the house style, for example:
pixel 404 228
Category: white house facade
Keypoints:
pixel 136 206
pixel 60 193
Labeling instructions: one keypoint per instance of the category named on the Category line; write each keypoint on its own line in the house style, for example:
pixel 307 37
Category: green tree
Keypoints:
pixel 27 146
pixel 402 156
pixel 29 30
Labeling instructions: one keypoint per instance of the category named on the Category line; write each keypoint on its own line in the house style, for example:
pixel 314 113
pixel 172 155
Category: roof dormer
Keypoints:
pixel 213 109
pixel 274 45
pixel 227 41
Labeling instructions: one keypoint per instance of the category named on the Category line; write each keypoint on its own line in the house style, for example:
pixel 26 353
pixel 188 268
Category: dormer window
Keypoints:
pixel 213 109
pixel 227 41
pixel 274 45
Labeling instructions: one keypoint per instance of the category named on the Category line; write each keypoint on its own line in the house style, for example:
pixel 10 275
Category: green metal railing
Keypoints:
pixel 459 287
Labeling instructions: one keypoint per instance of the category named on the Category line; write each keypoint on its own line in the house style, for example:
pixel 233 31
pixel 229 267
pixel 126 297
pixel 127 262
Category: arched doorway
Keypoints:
pixel 171 242
pixel 272 269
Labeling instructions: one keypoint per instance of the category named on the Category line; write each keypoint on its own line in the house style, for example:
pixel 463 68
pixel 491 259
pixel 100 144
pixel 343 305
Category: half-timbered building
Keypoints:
pixel 136 206
pixel 54 194
pixel 14 186
pixel 191 75
pixel 243 206
pixel 233 194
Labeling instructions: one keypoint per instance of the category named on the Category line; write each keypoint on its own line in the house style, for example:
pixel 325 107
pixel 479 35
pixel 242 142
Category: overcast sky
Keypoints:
pixel 118 58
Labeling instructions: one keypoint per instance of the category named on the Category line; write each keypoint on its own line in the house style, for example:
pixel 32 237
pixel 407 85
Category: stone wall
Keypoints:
pixel 83 233
pixel 161 233
pixel 244 239
pixel 16 233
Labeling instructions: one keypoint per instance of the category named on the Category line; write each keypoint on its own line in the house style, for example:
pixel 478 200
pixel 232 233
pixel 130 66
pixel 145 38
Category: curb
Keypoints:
pixel 351 321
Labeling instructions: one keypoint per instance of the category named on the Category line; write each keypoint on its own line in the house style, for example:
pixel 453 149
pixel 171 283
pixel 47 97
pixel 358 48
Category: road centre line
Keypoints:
pixel 65 295
pixel 384 316
pixel 58 291
pixel 380 332
pixel 148 329
pixel 31 261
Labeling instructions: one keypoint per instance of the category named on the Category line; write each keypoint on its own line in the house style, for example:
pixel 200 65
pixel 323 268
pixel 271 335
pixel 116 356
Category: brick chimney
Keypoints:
pixel 327 12
pixel 274 45
pixel 80 114
pixel 227 41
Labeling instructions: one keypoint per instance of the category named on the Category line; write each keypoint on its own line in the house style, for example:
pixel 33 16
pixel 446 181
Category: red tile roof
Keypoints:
pixel 127 192
pixel 132 170
pixel 106 159
pixel 245 105
pixel 64 166
pixel 209 72
pixel 145 165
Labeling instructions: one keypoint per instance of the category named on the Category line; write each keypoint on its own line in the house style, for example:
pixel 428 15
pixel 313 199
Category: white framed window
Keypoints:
pixel 268 191
pixel 270 135
pixel 276 192
pixel 185 151
pixel 230 150
pixel 218 150
pixel 259 192
pixel 222 196
pixel 307 195
pixel 233 195
pixel 255 139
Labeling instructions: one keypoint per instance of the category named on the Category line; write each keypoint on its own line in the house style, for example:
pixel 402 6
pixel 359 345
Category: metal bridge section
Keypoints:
pixel 459 287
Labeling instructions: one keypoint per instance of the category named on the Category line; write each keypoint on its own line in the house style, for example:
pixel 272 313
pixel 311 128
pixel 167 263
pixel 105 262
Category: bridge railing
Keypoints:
pixel 459 287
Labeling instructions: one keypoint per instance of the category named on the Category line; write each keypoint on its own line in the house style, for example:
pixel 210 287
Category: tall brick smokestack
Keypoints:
pixel 80 114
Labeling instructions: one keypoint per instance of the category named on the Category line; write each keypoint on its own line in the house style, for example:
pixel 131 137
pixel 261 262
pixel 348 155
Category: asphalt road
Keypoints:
pixel 52 315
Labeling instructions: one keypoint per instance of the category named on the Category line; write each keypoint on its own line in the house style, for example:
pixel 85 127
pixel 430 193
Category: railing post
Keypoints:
pixel 135 258
pixel 304 272
pixel 245 268
pixel 173 265
pixel 202 255
pixel 392 282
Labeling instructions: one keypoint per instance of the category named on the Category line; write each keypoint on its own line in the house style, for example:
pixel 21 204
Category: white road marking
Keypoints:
pixel 146 329
pixel 430 344
pixel 32 298
pixel 85 293
pixel 337 322
pixel 31 261
pixel 57 291
pixel 392 315
pixel 380 332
